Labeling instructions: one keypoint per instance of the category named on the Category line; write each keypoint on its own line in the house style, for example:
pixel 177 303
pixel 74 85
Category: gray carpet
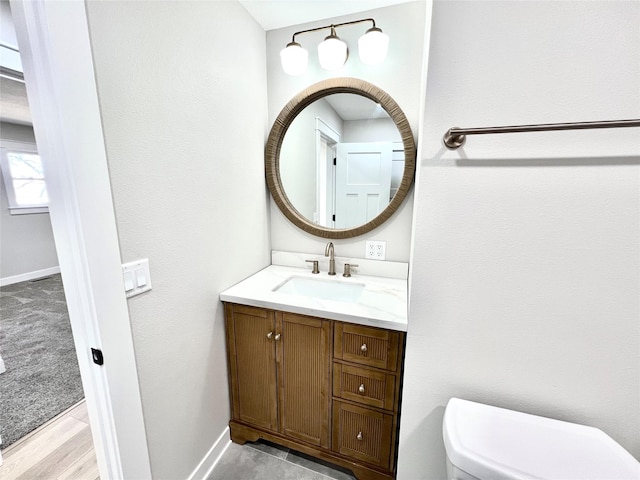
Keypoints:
pixel 42 377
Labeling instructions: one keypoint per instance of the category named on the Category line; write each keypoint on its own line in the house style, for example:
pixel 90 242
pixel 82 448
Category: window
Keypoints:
pixel 24 179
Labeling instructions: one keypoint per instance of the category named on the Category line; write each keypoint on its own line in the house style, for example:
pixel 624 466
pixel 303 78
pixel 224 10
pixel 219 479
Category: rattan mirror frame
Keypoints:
pixel 291 111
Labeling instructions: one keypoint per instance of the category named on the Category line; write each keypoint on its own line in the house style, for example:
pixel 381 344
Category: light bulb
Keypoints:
pixel 373 46
pixel 332 52
pixel 294 59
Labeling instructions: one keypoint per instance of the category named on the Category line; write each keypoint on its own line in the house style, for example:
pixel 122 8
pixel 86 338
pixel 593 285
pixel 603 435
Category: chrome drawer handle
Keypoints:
pixel 277 337
pixel 361 388
pixel 363 348
pixel 269 335
pixel 359 436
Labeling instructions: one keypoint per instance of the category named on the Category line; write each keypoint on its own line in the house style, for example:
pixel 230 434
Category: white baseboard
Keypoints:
pixel 23 277
pixel 205 467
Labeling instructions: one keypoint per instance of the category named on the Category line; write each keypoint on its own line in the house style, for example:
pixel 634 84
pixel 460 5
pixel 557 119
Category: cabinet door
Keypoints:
pixel 363 433
pixel 304 368
pixel 251 333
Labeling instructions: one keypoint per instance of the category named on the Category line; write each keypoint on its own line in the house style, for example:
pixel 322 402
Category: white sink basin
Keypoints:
pixel 321 288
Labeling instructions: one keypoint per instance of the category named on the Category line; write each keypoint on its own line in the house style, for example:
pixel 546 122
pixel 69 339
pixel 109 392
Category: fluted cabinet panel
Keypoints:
pixel 376 347
pixel 364 385
pixel 305 375
pixel 367 346
pixel 374 387
pixel 362 433
pixel 256 373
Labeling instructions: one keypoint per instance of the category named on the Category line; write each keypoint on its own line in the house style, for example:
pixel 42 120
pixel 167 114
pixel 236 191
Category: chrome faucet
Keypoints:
pixel 328 252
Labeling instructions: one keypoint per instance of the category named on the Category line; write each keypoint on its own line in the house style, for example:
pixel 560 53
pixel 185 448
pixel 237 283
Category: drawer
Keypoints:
pixel 362 433
pixel 363 385
pixel 374 347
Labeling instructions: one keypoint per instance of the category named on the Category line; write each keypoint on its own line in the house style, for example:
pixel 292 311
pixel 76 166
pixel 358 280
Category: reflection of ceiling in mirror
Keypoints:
pixel 355 107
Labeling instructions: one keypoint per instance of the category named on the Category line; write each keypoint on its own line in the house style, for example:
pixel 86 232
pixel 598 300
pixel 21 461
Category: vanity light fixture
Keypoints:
pixel 333 52
pixel 373 46
pixel 294 59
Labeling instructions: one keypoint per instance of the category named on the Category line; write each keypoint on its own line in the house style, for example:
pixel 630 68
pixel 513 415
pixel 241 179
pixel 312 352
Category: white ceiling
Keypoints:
pixel 272 14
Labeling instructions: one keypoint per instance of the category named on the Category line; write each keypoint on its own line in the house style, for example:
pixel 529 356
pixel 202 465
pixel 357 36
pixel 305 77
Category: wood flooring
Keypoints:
pixel 61 449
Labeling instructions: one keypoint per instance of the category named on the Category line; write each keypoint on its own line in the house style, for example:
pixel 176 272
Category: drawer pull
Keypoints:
pixel 363 348
pixel 359 436
pixel 269 335
pixel 361 388
pixel 277 337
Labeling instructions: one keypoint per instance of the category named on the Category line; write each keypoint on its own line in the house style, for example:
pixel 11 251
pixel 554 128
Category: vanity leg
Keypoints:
pixel 241 435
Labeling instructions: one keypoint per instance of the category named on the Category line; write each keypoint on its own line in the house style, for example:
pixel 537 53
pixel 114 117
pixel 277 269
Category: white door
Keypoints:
pixel 363 182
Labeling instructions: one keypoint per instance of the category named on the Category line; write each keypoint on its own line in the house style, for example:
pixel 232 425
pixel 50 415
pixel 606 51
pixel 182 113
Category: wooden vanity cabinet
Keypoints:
pixel 279 370
pixel 307 383
pixel 366 391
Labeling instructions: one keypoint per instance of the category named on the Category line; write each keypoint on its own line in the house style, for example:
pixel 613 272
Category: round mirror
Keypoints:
pixel 340 158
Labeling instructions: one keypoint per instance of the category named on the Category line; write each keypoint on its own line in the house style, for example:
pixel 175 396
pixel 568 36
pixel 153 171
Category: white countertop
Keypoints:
pixel 383 302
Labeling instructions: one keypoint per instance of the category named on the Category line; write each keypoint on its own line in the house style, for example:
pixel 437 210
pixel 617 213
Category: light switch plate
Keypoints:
pixel 375 249
pixel 137 278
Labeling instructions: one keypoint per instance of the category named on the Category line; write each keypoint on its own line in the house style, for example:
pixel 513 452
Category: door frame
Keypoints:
pixel 59 73
pixel 325 173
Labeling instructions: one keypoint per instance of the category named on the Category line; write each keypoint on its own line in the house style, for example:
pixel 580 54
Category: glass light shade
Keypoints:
pixel 332 53
pixel 373 46
pixel 294 59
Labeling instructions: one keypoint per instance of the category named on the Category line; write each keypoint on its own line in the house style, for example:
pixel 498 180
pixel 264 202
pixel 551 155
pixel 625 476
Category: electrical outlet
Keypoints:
pixel 375 249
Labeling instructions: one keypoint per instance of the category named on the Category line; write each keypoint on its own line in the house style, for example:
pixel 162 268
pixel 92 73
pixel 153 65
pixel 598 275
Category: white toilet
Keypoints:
pixel 491 443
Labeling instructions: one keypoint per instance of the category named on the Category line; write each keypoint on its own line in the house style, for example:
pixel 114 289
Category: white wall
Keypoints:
pixel 399 76
pixel 525 267
pixel 185 119
pixel 26 241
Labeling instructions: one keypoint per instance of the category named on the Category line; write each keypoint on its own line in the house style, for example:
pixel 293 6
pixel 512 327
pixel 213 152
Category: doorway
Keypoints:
pixel 40 374
pixel 58 68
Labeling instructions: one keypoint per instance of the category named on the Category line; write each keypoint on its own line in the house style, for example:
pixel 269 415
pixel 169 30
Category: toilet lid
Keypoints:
pixel 499 444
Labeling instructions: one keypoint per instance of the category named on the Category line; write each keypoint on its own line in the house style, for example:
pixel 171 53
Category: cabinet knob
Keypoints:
pixel 269 335
pixel 359 436
pixel 363 348
pixel 361 388
pixel 277 337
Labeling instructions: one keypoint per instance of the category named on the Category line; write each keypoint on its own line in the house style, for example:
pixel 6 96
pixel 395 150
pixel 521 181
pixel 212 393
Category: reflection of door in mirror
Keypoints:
pixel 363 182
pixel 370 161
pixel 370 165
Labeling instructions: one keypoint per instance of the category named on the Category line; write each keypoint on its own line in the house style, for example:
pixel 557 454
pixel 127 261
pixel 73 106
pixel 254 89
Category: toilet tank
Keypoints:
pixel 491 443
pixel 454 473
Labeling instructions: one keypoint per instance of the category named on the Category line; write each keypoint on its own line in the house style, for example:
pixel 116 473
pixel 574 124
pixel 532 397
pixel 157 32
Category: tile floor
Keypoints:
pixel 267 461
